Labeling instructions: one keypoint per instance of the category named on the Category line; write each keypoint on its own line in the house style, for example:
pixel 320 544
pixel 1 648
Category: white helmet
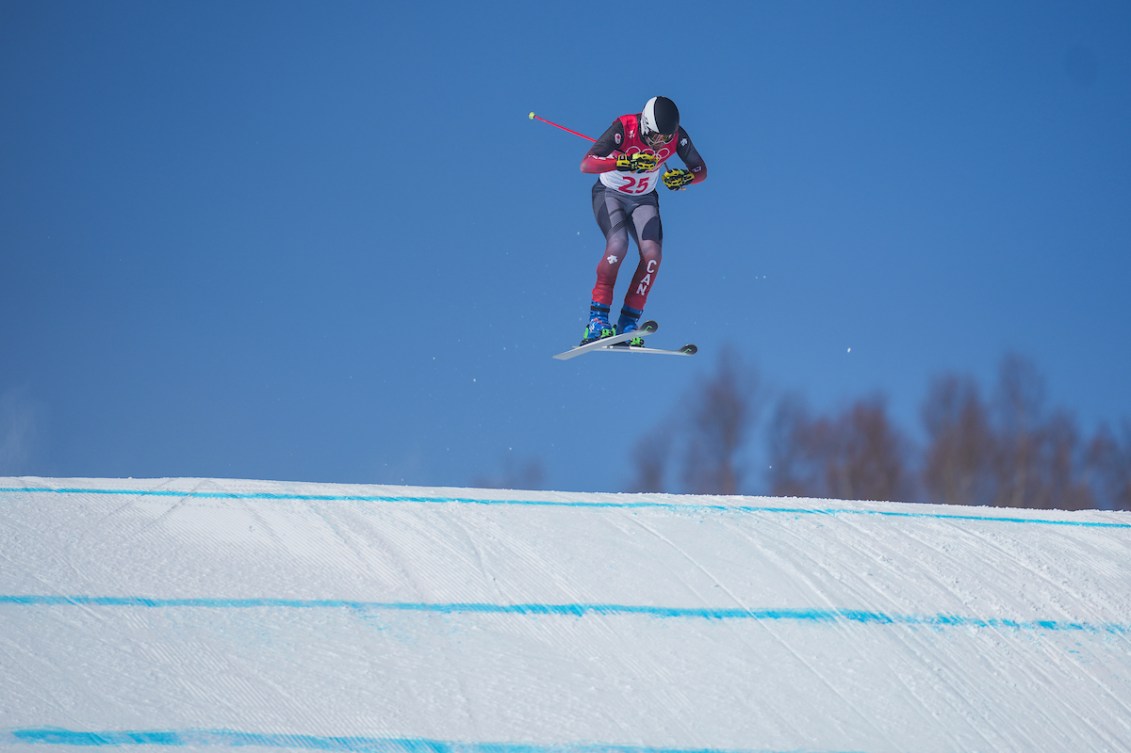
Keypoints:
pixel 659 121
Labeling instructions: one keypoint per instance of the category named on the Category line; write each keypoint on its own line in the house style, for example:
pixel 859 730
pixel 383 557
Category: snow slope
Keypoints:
pixel 216 614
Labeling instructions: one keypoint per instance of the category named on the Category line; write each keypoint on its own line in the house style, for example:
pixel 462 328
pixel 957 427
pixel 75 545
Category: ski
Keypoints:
pixel 647 328
pixel 687 350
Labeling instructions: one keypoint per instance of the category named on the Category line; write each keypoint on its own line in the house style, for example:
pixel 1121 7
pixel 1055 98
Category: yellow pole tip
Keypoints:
pixel 532 116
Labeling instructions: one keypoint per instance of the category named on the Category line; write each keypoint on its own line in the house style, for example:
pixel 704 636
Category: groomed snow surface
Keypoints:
pixel 218 614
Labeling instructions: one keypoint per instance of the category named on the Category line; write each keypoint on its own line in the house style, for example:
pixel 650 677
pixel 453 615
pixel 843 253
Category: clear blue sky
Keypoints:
pixel 323 241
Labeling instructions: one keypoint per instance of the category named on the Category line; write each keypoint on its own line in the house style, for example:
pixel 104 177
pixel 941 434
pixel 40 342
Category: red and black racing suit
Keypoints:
pixel 626 203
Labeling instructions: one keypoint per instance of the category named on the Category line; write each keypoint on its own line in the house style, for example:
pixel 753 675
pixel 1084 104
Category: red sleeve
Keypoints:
pixel 602 156
pixel 593 164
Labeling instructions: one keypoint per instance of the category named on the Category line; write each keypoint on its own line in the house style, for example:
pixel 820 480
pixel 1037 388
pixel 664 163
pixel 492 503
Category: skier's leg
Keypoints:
pixel 648 232
pixel 614 223
pixel 612 218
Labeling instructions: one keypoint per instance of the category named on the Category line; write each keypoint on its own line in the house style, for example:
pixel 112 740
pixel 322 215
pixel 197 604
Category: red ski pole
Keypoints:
pixel 555 125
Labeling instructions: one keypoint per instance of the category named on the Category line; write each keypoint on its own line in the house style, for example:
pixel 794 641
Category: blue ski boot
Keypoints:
pixel 629 321
pixel 599 326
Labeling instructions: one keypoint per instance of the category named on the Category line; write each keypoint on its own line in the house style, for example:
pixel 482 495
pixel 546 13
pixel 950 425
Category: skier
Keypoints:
pixel 627 159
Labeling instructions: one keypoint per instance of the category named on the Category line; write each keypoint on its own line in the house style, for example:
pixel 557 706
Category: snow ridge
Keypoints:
pixel 206 614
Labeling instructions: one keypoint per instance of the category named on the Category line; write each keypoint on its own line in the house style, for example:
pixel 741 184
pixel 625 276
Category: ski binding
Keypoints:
pixel 619 344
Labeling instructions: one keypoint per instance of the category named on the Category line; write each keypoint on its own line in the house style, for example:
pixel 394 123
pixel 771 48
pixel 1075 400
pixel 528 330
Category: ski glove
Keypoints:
pixel 677 179
pixel 636 163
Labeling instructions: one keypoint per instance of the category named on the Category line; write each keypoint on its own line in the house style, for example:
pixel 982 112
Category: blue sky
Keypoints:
pixel 323 241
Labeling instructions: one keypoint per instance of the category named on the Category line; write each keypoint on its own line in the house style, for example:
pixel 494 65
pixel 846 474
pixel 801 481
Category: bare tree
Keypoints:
pixel 957 462
pixel 858 454
pixel 1008 451
pixel 708 433
pixel 1039 459
pixel 796 449
pixel 723 414
pixel 1011 453
pixel 1108 466
pixel 1019 399
pixel 651 457
pixel 870 457
pixel 1061 477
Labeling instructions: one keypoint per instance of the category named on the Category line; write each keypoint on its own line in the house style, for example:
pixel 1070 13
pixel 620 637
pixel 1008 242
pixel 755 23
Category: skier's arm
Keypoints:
pixel 690 156
pixel 602 157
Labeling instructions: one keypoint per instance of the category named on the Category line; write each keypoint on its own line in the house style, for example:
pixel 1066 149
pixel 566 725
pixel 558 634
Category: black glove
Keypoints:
pixel 638 162
pixel 677 179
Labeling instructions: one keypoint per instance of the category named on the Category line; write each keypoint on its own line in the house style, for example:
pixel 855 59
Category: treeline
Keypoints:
pixel 1002 447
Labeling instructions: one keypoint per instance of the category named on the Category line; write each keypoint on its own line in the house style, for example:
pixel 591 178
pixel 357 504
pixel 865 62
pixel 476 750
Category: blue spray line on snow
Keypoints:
pixel 818 616
pixel 626 505
pixel 223 738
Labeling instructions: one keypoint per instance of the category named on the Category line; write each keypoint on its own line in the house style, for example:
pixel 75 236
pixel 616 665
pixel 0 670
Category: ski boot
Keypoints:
pixel 599 326
pixel 629 321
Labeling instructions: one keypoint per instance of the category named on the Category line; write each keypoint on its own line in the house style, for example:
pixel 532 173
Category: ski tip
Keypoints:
pixel 650 326
pixel 689 349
